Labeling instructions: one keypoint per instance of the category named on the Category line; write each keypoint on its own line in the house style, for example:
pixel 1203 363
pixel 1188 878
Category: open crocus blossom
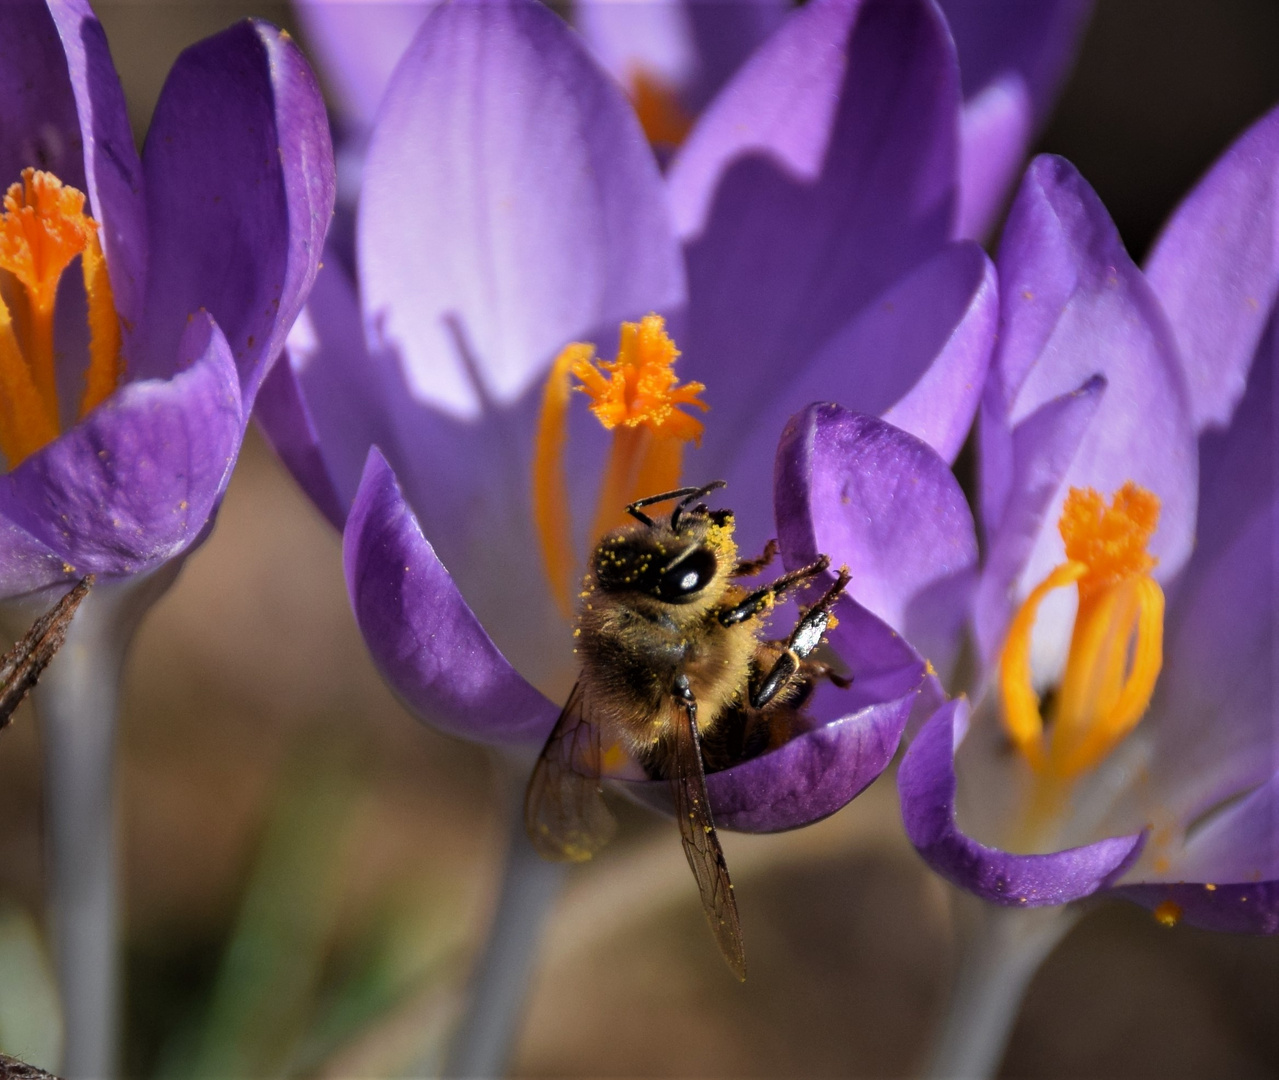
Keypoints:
pixel 127 380
pixel 141 301
pixel 1114 746
pixel 540 223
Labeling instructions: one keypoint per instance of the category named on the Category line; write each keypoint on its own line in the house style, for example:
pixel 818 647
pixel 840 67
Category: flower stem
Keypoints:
pixel 485 1037
pixel 77 703
pixel 1000 951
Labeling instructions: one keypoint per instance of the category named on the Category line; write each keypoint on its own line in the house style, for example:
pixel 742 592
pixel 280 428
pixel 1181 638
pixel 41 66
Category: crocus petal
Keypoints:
pixel 326 402
pixel 1215 268
pixel 1073 306
pixel 1212 724
pixel 995 130
pixel 940 405
pixel 1013 57
pixel 808 779
pixel 692 46
pixel 1239 842
pixel 41 127
pixel 807 188
pixel 425 640
pixel 511 205
pixel 1226 876
pixel 1239 909
pixel 135 482
pixel 926 783
pixel 112 170
pixel 239 175
pixel 1035 41
pixel 1238 472
pixel 917 355
pixel 282 411
pixel 1037 456
pixel 357 45
pixel 883 503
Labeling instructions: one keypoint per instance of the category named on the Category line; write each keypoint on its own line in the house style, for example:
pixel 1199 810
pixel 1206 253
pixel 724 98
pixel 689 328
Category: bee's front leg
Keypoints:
pixel 762 599
pixel 806 636
pixel 751 567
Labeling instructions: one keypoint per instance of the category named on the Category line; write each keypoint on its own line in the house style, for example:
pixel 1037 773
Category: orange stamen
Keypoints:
pixel 660 113
pixel 551 516
pixel 639 398
pixel 25 423
pixel 1116 649
pixel 42 229
pixel 105 363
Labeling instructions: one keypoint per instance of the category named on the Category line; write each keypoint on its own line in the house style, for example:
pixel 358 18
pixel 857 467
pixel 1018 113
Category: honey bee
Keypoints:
pixel 675 673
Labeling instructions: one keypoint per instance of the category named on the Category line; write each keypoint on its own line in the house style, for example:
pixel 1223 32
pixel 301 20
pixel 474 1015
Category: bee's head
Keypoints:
pixel 672 561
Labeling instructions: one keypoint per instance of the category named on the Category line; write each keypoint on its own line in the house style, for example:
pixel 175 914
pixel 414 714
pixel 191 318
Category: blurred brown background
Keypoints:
pixel 260 752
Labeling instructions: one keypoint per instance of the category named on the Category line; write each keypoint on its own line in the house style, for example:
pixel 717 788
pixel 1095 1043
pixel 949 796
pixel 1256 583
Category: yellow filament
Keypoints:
pixel 1116 648
pixel 42 229
pixel 25 423
pixel 1022 719
pixel 657 105
pixel 551 516
pixel 1090 743
pixel 640 399
pixel 103 373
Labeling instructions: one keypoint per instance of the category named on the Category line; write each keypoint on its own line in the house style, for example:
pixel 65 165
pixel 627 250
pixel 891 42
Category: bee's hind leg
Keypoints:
pixel 806 636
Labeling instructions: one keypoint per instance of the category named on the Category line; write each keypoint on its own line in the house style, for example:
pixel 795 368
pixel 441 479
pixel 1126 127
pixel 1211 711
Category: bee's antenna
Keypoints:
pixel 692 495
pixel 679 493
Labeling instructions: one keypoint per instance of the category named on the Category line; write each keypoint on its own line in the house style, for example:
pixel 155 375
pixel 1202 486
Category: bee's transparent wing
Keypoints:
pixel 564 811
pixel 701 845
pixel 22 666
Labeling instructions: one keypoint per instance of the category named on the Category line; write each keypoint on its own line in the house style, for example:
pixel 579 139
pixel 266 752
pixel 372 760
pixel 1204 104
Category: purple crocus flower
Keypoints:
pixel 196 259
pixel 125 388
pixel 1158 386
pixel 674 56
pixel 511 206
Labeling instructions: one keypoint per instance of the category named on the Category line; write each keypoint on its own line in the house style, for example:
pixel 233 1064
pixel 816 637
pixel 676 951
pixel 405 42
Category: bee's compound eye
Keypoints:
pixel 687 577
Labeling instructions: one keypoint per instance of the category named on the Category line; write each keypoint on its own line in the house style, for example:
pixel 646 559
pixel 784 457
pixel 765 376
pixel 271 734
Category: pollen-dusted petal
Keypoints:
pixel 1110 541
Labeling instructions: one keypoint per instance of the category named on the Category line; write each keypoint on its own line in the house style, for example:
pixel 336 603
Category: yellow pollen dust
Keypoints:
pixel 1116 647
pixel 637 397
pixel 663 118
pixel 1168 913
pixel 42 229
